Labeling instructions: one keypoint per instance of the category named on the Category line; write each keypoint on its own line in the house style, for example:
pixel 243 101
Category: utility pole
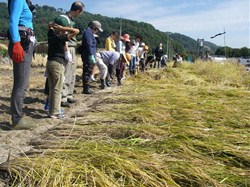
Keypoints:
pixel 168 45
pixel 225 48
pixel 120 31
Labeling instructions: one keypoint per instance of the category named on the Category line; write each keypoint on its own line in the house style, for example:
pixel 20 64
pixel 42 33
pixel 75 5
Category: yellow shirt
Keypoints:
pixel 110 44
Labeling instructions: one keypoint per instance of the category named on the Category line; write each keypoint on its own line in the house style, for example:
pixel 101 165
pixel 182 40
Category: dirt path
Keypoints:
pixel 14 143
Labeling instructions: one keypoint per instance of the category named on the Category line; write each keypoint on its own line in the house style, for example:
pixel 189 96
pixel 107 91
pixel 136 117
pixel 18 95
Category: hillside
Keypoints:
pixel 177 42
pixel 190 44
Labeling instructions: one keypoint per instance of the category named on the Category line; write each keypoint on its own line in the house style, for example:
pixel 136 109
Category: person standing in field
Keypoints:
pixel 57 38
pixel 110 41
pixel 158 54
pixel 142 55
pixel 88 53
pixel 70 68
pixel 21 48
pixel 110 45
pixel 120 66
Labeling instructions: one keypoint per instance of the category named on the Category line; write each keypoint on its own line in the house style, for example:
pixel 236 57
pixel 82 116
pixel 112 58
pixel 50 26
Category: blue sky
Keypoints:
pixel 194 18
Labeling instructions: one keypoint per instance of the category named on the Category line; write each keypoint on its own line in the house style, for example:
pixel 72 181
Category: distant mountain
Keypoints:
pixel 151 36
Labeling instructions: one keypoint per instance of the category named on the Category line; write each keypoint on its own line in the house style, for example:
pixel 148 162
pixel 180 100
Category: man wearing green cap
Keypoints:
pixel 70 68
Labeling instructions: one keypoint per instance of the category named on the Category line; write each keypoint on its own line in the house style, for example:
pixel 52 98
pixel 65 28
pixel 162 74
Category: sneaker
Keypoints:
pixel 46 106
pixel 23 125
pixel 57 116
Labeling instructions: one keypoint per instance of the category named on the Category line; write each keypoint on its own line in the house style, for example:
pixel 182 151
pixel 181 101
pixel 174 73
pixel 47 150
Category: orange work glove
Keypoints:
pixel 18 52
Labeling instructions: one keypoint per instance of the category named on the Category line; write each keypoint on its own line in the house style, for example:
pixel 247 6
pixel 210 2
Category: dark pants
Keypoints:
pixel 142 64
pixel 21 74
pixel 111 71
pixel 46 87
pixel 87 70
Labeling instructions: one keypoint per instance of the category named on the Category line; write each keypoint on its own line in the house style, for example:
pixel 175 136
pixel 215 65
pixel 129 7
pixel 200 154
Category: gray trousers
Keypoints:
pixel 21 74
pixel 70 76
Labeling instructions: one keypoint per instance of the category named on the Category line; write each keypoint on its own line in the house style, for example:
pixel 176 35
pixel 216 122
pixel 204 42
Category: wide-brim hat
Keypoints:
pixel 145 47
pixel 125 38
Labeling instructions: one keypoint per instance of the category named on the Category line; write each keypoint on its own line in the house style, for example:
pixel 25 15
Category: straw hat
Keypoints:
pixel 145 47
pixel 127 57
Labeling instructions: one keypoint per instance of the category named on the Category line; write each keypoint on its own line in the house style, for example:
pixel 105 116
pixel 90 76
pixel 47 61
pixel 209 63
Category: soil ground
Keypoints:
pixel 15 142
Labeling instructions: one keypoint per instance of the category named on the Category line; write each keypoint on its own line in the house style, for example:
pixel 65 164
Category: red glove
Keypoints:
pixel 18 52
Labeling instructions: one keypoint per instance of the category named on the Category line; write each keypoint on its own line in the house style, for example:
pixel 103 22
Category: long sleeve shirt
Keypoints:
pixel 110 44
pixel 88 43
pixel 20 14
pixel 110 57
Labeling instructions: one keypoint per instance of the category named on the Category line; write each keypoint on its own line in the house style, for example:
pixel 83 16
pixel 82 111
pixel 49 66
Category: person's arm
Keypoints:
pixel 72 31
pixel 16 7
pixel 90 43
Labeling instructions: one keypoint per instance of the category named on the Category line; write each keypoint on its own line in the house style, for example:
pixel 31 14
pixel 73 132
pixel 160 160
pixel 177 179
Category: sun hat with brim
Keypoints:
pixel 145 47
pixel 125 38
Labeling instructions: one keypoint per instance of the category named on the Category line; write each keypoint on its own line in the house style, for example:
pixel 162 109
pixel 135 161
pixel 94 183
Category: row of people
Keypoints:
pixel 120 52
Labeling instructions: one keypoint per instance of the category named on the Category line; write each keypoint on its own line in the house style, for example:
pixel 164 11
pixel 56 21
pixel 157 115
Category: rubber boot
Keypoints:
pixel 118 75
pixel 86 89
pixel 119 82
pixel 103 84
pixel 108 83
pixel 23 125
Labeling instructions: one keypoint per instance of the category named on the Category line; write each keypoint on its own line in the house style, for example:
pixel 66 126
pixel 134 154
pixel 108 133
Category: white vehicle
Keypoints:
pixel 219 58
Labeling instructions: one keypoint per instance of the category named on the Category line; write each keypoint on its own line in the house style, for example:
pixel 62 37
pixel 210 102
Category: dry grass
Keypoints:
pixel 40 60
pixel 186 126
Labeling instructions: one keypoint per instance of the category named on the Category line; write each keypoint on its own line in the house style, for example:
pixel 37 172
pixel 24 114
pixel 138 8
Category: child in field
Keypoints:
pixel 57 38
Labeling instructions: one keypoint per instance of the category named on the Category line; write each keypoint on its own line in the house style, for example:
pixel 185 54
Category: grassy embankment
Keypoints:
pixel 188 126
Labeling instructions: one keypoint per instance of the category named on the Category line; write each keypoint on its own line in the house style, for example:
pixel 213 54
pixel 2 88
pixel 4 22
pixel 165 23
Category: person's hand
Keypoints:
pixel 50 25
pixel 92 59
pixel 68 57
pixel 17 52
pixel 56 26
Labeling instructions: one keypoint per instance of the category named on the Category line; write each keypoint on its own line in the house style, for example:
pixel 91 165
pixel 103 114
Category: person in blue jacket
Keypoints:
pixel 88 53
pixel 21 47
